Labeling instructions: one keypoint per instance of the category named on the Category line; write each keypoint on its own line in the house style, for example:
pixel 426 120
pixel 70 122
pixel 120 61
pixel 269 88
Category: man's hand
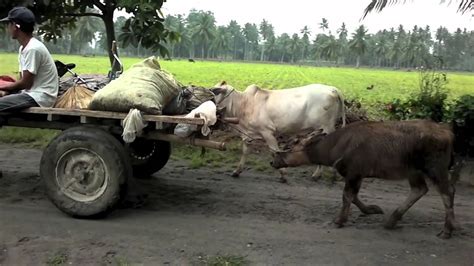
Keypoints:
pixel 25 83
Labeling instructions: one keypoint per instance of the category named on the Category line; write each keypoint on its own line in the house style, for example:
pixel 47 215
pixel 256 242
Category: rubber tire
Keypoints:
pixel 144 169
pixel 111 152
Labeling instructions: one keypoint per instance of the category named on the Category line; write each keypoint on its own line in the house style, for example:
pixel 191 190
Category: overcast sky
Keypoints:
pixel 292 16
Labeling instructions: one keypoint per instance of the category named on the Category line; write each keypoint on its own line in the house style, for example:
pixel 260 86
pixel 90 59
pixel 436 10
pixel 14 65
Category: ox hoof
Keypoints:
pixel 235 174
pixel 444 235
pixel 373 209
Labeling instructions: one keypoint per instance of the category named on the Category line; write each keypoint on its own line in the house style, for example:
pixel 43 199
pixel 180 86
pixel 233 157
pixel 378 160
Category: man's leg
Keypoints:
pixel 15 102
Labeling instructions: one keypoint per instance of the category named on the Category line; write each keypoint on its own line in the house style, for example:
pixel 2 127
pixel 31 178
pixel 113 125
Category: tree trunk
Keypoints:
pixel 108 18
pixel 235 49
pixel 245 50
pixel 263 52
pixel 358 61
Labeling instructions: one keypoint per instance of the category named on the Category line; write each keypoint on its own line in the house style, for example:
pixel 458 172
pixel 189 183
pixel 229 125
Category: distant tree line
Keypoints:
pixel 200 37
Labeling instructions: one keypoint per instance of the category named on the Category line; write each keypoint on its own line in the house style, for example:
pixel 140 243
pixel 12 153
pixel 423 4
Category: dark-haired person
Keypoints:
pixel 38 83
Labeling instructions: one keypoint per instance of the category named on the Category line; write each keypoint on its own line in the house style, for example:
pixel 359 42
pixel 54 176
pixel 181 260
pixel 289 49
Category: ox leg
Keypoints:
pixel 273 144
pixel 446 190
pixel 370 209
pixel 418 188
pixel 243 158
pixel 347 198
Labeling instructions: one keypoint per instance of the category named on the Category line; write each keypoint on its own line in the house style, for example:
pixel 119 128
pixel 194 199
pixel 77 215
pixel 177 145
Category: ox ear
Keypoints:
pixel 221 83
pixel 217 91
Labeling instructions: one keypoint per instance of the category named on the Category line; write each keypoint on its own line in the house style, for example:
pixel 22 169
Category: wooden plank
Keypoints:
pixel 175 119
pixel 190 141
pixel 118 130
pixel 52 117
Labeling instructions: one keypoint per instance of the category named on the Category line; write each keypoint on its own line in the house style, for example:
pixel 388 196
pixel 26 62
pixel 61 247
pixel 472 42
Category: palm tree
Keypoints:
pixel 266 30
pixel 185 41
pixel 294 46
pixel 85 30
pixel 283 45
pixel 203 30
pixel 330 49
pixel 358 44
pixel 221 41
pixel 250 33
pixel 342 40
pixel 381 47
pixel 234 30
pixel 324 25
pixel 305 41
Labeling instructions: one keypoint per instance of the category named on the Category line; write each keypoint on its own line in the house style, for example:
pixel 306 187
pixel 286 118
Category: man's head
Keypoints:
pixel 20 20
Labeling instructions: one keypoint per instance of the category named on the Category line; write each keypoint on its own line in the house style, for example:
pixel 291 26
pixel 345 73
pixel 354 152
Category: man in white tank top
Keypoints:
pixel 39 82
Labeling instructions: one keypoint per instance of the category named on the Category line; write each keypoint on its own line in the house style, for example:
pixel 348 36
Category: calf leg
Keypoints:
pixel 418 188
pixel 348 195
pixel 243 158
pixel 371 209
pixel 446 190
pixel 317 174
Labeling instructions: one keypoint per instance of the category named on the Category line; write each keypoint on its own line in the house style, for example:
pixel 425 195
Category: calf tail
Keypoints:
pixel 342 106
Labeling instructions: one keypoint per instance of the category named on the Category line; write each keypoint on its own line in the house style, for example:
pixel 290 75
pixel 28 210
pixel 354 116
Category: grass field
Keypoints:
pixel 352 82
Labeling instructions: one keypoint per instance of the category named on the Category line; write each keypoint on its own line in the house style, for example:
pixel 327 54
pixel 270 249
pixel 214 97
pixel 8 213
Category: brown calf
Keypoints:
pixel 416 150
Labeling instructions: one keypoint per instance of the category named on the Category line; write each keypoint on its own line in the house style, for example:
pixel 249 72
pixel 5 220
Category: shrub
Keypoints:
pixel 428 102
pixel 462 118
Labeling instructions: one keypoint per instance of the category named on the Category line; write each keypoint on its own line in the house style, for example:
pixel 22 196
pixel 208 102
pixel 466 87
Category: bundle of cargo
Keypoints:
pixel 76 97
pixel 145 86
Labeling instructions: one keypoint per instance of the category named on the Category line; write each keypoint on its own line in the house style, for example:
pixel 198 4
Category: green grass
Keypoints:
pixel 57 260
pixel 223 260
pixel 352 82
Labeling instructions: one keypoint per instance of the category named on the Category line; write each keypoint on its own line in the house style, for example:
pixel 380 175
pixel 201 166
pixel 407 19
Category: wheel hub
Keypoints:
pixel 82 174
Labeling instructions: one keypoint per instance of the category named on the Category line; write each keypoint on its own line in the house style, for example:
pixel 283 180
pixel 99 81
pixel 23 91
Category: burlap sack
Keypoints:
pixel 144 86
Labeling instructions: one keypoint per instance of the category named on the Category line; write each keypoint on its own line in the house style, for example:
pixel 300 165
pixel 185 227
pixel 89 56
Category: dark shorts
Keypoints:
pixel 16 102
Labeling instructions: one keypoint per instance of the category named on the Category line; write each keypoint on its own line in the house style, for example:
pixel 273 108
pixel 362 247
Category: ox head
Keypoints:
pixel 222 91
pixel 298 151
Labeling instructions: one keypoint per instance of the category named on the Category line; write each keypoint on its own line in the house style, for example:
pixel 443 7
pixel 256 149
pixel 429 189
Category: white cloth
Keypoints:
pixel 133 125
pixel 36 59
pixel 206 111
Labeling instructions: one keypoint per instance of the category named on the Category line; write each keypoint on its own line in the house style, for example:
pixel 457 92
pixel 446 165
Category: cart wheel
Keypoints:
pixel 148 156
pixel 85 171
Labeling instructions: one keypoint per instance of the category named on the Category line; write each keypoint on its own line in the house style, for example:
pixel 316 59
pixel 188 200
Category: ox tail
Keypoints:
pixel 342 106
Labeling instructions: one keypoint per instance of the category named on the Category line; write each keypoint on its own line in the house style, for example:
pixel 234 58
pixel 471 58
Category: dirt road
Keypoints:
pixel 196 215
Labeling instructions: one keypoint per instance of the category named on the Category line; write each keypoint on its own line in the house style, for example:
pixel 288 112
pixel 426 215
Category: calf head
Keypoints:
pixel 297 152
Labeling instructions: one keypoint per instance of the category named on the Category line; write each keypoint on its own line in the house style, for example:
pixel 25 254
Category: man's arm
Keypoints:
pixel 25 83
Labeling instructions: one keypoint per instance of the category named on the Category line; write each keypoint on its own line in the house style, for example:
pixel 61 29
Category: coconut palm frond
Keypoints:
pixel 379 5
pixel 465 6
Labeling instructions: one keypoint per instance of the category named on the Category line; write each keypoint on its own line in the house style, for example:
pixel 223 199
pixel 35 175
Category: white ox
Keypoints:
pixel 263 114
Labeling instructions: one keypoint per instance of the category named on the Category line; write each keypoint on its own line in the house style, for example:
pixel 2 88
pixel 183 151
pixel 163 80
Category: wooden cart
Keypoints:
pixel 85 168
